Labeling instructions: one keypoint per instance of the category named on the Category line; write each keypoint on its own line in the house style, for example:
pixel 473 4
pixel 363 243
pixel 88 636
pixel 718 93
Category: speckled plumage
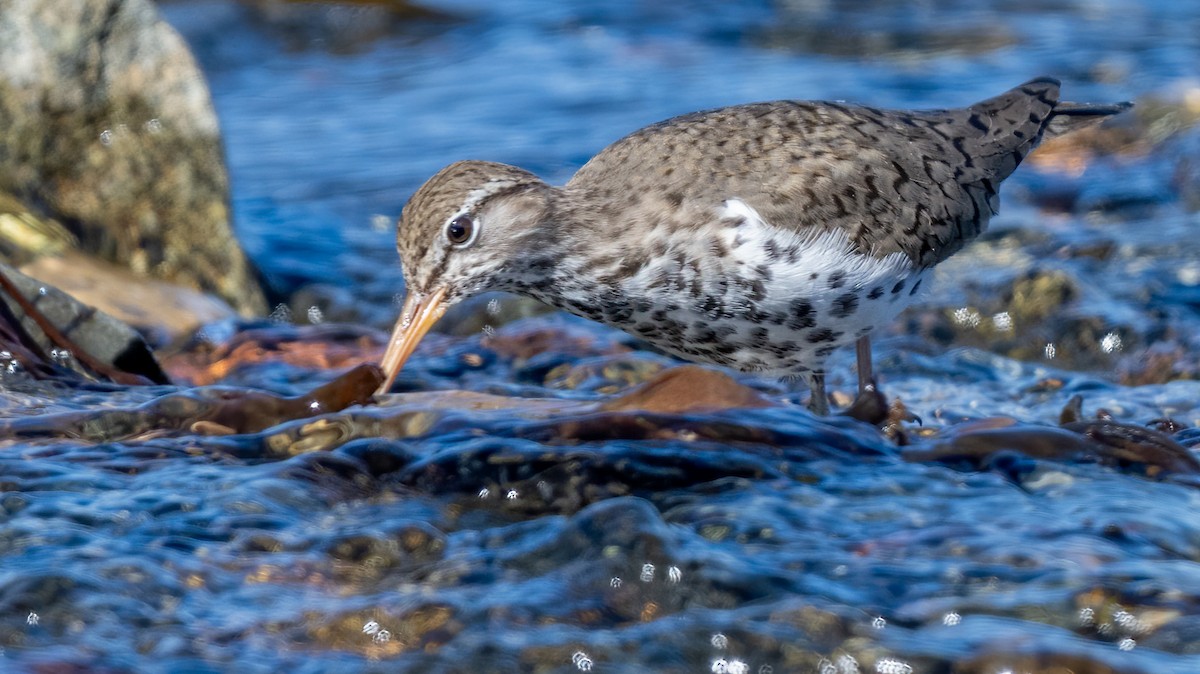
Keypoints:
pixel 759 236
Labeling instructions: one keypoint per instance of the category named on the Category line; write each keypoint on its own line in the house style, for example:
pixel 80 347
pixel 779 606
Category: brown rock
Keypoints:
pixel 162 309
pixel 688 388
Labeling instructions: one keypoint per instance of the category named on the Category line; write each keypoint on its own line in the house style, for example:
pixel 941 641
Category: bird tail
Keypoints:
pixel 1068 117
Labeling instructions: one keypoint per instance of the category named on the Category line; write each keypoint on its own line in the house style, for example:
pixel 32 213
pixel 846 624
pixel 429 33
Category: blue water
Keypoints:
pixel 541 537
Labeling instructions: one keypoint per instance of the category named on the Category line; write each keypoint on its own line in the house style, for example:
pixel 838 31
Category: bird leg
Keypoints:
pixel 862 350
pixel 818 402
pixel 870 405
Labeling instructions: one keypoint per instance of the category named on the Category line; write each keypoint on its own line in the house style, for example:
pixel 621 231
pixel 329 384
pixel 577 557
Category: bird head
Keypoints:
pixel 466 230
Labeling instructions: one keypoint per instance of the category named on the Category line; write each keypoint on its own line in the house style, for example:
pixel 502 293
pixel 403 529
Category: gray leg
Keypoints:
pixel 862 349
pixel 818 404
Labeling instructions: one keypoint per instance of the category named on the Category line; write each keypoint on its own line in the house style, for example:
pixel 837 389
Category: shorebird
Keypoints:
pixel 758 237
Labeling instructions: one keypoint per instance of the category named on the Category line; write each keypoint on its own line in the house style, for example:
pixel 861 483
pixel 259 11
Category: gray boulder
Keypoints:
pixel 106 125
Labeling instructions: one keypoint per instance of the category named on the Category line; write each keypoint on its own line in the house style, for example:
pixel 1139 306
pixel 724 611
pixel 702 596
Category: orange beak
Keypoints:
pixel 419 314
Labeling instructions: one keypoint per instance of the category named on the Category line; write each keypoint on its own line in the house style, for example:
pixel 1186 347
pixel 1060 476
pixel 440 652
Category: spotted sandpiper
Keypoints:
pixel 759 237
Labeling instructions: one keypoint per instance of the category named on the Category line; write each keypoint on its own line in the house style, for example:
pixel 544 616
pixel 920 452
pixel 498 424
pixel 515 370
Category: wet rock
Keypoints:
pixel 106 122
pixel 993 442
pixel 68 333
pixel 363 556
pixel 688 388
pixel 164 311
pixel 213 411
pixel 326 346
pixel 347 26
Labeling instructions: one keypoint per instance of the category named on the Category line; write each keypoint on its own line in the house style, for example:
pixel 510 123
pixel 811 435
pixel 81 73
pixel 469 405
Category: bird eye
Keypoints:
pixel 460 230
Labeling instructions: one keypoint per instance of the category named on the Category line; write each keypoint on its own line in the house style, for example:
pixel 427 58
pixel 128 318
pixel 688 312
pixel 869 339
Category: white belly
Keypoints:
pixel 776 302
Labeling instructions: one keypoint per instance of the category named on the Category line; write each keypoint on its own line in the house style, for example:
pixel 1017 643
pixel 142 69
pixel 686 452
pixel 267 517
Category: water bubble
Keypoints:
pixel 381 223
pixel 485 492
pixel 493 306
pixel 315 315
pixel 489 331
pixel 737 667
pixel 511 494
pixel 1126 644
pixel 879 622
pixel 1002 321
pixel 951 619
pixel 1050 351
pixel 846 664
pixel 106 137
pixel 1130 623
pixel 42 291
pixel 398 299
pixel 281 314
pixel 545 490
pixel 647 572
pixel 615 582
pixel 674 575
pixel 967 316
pixel 768 669
pixel 824 666
pixel 720 666
pixel 314 406
pixel 382 637
pixel 892 666
pixel 1110 342
pixel 371 627
pixel 152 125
pixel 582 661
pixel 719 641
pixel 1087 616
pixel 32 619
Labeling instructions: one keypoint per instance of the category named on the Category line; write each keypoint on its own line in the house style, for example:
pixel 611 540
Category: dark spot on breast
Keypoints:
pixel 898 287
pixel 823 335
pixel 915 288
pixel 825 351
pixel 837 279
pixel 771 248
pixel 875 293
pixel 803 315
pixel 844 305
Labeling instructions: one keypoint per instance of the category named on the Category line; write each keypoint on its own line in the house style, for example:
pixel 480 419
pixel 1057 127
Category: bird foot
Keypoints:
pixel 870 406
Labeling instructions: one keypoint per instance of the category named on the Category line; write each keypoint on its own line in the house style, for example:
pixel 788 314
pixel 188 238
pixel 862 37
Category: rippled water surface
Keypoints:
pixel 519 522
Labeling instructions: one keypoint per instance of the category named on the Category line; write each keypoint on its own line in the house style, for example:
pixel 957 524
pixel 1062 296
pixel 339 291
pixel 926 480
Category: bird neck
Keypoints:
pixel 558 250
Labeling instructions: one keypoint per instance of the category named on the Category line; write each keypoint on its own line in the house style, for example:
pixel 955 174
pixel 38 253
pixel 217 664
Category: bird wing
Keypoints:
pixel 922 183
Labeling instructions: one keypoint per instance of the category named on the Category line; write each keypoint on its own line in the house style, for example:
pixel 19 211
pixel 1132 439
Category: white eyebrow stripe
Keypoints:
pixel 477 195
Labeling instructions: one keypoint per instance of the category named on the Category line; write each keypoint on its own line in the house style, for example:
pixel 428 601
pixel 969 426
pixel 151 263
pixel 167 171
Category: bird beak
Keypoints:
pixel 419 314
